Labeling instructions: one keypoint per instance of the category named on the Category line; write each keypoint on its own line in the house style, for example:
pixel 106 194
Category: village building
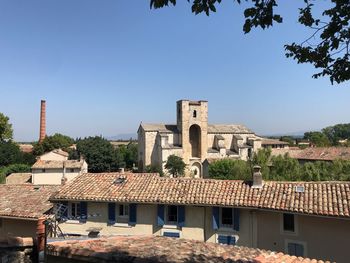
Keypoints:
pixel 19 178
pixel 307 219
pixel 194 140
pixel 21 207
pixel 54 166
pixel 313 154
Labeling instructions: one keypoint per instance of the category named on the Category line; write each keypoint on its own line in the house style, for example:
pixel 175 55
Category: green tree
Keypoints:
pixel 175 165
pixel 262 158
pixel 98 153
pixel 9 153
pixel 289 139
pixel 284 168
pixel 317 138
pixel 327 48
pixel 230 169
pixel 337 132
pixel 6 131
pixel 154 169
pixel 50 143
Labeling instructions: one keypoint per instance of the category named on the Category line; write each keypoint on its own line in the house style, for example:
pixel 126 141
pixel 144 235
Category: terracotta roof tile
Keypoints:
pixel 25 200
pixel 318 198
pixel 162 249
pixel 48 164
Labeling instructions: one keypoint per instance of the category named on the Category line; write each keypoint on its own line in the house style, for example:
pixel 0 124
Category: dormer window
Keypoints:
pixel 194 114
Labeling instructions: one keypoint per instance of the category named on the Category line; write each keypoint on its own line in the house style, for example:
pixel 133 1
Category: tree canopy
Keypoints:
pixel 6 131
pixel 330 135
pixel 175 165
pixel 56 141
pixel 280 168
pixel 327 48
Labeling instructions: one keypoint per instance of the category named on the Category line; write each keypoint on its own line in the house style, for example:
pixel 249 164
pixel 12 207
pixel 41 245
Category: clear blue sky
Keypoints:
pixel 105 66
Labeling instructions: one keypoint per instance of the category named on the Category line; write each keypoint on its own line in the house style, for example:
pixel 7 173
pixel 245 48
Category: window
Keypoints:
pixel 194 114
pixel 171 234
pixel 296 249
pixel 288 222
pixel 43 170
pixel 74 210
pixel 72 170
pixel 0 222
pixel 227 240
pixel 172 214
pixel 123 210
pixel 226 217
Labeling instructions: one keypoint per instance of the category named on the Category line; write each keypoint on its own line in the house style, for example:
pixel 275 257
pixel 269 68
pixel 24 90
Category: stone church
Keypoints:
pixel 193 139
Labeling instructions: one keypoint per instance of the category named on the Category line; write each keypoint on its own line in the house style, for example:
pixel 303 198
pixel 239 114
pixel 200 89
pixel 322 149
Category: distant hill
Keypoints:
pixel 122 136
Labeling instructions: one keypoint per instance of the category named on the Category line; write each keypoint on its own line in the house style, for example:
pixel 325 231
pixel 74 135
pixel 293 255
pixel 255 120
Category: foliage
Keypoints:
pixel 330 135
pixel 317 138
pixel 328 46
pixel 6 131
pixel 175 165
pixel 13 168
pixel 284 168
pixel 262 158
pixel 98 153
pixel 11 154
pixel 230 169
pixel 154 169
pixel 289 139
pixel 56 141
pixel 127 155
pixel 281 168
pixel 337 132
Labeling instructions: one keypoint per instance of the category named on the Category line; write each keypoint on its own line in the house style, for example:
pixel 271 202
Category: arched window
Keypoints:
pixel 194 114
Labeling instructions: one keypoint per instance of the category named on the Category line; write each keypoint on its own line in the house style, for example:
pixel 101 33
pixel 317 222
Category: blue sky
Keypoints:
pixel 105 66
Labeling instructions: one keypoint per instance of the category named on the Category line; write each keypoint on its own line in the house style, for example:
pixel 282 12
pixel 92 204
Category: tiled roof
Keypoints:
pixel 265 141
pixel 319 198
pixel 317 153
pixel 162 249
pixel 26 148
pixel 212 128
pixel 46 164
pixel 60 152
pixel 18 178
pixel 26 200
pixel 228 128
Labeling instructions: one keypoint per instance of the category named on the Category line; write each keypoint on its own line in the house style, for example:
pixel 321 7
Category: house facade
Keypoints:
pixel 298 218
pixel 195 140
pixel 53 167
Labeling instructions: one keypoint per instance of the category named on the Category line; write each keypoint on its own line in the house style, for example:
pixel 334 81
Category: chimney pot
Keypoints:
pixel 257 177
pixel 121 170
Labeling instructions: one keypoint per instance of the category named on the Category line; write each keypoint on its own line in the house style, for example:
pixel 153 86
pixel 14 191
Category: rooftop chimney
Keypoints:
pixel 42 121
pixel 64 178
pixel 257 177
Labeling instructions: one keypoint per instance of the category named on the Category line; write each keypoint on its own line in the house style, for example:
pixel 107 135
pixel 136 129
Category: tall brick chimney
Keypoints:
pixel 42 121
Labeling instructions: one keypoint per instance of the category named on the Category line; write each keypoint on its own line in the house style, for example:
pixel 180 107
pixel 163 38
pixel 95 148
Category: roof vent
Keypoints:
pixel 119 180
pixel 299 189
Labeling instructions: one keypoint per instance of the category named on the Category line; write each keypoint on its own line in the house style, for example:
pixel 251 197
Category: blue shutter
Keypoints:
pixel 160 218
pixel 132 214
pixel 216 212
pixel 111 213
pixel 171 234
pixel 181 215
pixel 222 239
pixel 236 219
pixel 299 250
pixel 228 240
pixel 83 212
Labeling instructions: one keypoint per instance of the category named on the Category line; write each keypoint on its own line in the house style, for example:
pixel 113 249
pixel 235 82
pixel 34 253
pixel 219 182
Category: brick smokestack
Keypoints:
pixel 42 121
